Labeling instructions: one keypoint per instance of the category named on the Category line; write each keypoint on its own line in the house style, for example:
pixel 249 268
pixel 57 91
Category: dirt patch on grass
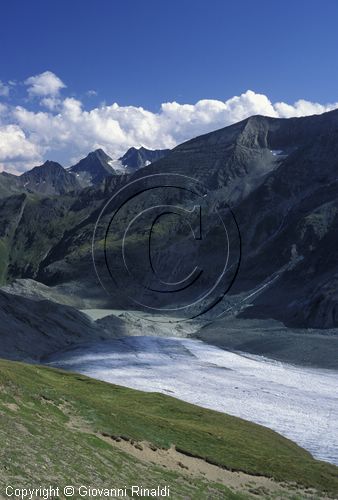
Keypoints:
pixel 11 406
pixel 172 459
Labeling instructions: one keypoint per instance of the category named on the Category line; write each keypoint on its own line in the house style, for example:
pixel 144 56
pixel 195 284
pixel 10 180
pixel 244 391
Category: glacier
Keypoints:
pixel 298 402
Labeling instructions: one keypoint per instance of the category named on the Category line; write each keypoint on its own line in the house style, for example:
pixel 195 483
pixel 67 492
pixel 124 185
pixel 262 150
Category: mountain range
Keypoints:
pixel 51 178
pixel 278 175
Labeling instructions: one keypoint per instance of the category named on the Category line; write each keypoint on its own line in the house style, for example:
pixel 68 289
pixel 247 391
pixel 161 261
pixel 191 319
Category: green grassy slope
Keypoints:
pixel 42 441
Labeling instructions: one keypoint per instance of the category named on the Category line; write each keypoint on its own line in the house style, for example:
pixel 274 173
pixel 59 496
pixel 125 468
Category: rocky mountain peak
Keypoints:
pixel 93 169
pixel 49 178
pixel 136 158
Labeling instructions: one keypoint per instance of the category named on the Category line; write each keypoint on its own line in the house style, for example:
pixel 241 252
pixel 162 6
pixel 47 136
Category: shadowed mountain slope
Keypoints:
pixel 278 175
pixel 92 169
pixel 32 329
pixel 135 158
pixel 49 179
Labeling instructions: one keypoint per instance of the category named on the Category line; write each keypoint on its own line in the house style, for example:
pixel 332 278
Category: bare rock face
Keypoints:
pixel 50 178
pixel 92 169
pixel 136 158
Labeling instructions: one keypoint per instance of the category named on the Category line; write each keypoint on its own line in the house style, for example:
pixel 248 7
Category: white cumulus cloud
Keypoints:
pixel 302 108
pixel 16 150
pixel 44 84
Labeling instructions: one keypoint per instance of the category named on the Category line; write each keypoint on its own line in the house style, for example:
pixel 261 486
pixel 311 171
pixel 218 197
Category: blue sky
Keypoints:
pixel 146 53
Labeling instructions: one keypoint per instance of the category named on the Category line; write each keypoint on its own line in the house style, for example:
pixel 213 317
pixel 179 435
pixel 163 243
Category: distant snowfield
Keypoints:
pixel 299 403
